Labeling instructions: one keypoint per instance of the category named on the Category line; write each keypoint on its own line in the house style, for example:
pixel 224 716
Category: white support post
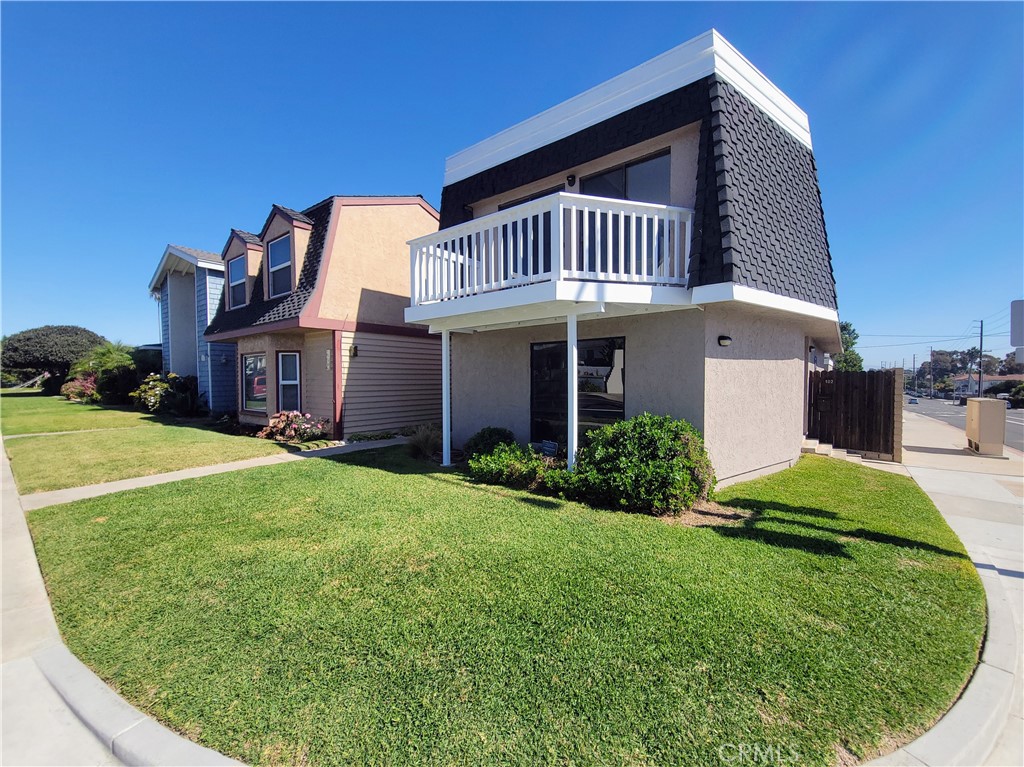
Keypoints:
pixel 572 400
pixel 446 398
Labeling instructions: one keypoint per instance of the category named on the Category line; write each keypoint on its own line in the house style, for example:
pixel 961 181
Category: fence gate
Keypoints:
pixel 858 411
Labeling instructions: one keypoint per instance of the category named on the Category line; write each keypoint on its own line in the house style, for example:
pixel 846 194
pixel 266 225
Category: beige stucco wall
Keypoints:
pixel 664 370
pixel 683 145
pixel 368 279
pixel 316 371
pixel 754 391
pixel 317 375
pixel 747 398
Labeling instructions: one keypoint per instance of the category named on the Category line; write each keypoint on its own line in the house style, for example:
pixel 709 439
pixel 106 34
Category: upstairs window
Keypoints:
pixel 236 282
pixel 279 258
pixel 646 180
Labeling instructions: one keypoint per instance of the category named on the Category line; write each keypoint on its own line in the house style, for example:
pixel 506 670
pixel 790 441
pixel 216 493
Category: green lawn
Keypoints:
pixel 374 610
pixel 72 460
pixel 32 413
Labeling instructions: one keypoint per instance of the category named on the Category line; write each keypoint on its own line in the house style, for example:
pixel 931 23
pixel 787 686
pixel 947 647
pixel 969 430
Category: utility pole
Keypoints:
pixel 931 373
pixel 914 379
pixel 981 352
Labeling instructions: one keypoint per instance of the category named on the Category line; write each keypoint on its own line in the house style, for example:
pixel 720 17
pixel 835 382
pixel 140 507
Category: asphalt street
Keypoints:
pixel 956 415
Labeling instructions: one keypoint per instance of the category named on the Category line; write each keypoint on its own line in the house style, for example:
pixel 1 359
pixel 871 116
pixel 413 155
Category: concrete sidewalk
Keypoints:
pixel 38 726
pixel 982 499
pixel 53 497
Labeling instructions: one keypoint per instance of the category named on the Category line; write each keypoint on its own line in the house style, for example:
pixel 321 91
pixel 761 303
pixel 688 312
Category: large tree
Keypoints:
pixel 848 360
pixel 1009 366
pixel 53 348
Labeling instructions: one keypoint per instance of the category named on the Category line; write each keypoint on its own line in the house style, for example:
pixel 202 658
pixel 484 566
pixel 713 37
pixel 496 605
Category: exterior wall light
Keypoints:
pixel 353 351
pixel 571 179
pixel 724 340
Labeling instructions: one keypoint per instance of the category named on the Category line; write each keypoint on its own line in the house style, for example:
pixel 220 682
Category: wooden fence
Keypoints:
pixel 862 412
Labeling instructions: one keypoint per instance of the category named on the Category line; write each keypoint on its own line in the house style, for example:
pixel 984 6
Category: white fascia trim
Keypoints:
pixel 704 55
pixel 564 291
pixel 171 253
pixel 730 291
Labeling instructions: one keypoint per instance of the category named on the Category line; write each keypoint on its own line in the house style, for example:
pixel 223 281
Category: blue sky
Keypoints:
pixel 129 126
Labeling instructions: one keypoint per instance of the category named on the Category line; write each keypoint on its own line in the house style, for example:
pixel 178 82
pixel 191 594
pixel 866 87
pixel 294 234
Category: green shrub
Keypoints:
pixel 425 441
pixel 111 364
pixel 293 426
pixel 488 438
pixel 171 393
pixel 369 436
pixel 510 465
pixel 648 463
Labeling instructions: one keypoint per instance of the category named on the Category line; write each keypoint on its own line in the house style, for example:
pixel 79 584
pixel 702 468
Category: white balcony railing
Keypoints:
pixel 559 237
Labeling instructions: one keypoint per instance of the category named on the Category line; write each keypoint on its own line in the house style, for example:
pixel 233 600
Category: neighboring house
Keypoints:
pixel 967 385
pixel 656 243
pixel 188 284
pixel 315 302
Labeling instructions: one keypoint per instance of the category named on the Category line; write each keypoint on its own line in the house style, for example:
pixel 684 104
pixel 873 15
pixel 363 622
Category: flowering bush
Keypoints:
pixel 151 392
pixel 81 389
pixel 293 426
pixel 171 393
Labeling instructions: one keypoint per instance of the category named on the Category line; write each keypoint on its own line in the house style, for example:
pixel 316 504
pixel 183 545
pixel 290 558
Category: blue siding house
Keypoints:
pixel 188 284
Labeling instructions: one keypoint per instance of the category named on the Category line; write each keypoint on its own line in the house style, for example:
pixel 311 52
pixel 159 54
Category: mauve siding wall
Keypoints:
pixel 393 381
pixel 165 327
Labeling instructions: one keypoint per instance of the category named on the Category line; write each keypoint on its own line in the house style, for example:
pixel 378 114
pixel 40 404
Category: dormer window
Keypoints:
pixel 279 259
pixel 236 282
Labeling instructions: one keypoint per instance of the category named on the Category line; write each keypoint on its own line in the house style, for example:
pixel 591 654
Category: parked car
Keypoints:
pixel 913 401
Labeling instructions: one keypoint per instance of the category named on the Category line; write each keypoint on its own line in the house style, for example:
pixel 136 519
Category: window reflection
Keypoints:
pixel 601 381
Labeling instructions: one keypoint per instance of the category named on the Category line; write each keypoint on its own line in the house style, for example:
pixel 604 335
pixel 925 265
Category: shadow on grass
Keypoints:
pixel 395 460
pixel 831 544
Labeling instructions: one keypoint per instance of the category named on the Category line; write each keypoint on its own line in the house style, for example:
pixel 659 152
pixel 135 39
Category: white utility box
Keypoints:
pixel 986 425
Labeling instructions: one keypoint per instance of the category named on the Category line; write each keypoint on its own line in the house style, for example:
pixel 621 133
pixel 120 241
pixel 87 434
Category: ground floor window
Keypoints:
pixel 254 382
pixel 600 376
pixel 288 381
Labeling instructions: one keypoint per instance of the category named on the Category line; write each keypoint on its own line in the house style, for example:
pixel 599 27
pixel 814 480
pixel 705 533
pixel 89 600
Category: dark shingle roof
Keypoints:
pixel 758 219
pixel 770 231
pixel 262 312
pixel 249 237
pixel 292 214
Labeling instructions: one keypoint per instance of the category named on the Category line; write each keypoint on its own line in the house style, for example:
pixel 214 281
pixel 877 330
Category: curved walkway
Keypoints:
pixel 982 499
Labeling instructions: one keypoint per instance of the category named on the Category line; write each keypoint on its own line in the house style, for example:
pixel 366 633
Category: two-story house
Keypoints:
pixel 187 284
pixel 314 303
pixel 656 243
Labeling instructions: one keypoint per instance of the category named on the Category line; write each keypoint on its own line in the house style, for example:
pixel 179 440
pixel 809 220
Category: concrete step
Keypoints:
pixel 808 445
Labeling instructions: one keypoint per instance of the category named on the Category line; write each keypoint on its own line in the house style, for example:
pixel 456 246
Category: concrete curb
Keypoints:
pixel 131 736
pixel 968 732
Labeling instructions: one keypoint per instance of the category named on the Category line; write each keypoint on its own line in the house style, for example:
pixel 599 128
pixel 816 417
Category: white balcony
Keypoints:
pixel 530 262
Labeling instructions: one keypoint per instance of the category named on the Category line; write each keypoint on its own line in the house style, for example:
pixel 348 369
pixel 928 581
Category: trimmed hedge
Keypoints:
pixel 488 438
